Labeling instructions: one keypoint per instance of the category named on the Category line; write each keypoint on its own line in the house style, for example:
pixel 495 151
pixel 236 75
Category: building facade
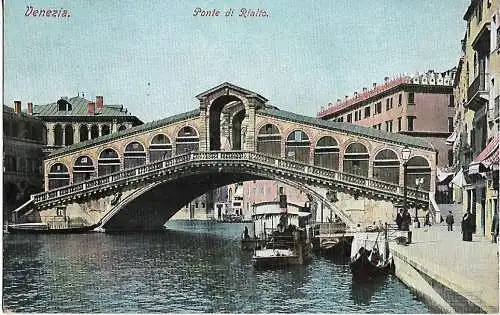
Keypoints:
pixel 476 89
pixel 23 144
pixel 420 106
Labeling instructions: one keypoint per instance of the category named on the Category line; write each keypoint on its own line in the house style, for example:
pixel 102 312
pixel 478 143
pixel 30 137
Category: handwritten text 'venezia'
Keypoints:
pixel 58 13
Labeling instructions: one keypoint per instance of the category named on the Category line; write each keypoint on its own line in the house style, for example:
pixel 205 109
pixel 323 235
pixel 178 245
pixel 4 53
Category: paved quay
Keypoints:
pixel 453 275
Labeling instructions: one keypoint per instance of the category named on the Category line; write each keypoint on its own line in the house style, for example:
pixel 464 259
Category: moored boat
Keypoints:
pixel 44 228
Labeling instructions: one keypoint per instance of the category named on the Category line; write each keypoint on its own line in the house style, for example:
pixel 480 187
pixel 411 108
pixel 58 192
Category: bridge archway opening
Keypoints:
pixel 417 168
pixel 94 132
pixel 326 153
pixel 58 176
pixel 105 130
pixel 68 135
pixel 160 148
pixel 356 159
pixel 134 155
pixel 108 162
pixel 269 140
pixel 83 169
pixel 238 131
pixel 187 140
pixel 58 135
pixel 297 146
pixel 386 166
pixel 223 108
pixel 84 133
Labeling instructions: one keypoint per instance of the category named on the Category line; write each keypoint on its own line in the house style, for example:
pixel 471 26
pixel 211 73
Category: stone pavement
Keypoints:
pixel 467 268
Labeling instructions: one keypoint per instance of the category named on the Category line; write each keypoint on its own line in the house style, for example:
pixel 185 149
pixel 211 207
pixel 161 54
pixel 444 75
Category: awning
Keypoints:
pixel 442 175
pixel 459 179
pixel 488 157
pixel 451 139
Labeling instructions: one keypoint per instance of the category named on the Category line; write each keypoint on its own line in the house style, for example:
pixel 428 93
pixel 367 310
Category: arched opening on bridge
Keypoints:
pixel 134 155
pixel 386 166
pixel 187 140
pixel 108 162
pixel 215 112
pixel 94 132
pixel 122 127
pixel 105 130
pixel 356 159
pixel 58 135
pixel 269 140
pixel 326 153
pixel 418 169
pixel 58 176
pixel 160 148
pixel 84 133
pixel 297 146
pixel 83 169
pixel 68 135
pixel 237 130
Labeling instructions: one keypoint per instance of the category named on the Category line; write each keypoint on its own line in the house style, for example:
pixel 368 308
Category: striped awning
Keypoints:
pixel 451 139
pixel 488 158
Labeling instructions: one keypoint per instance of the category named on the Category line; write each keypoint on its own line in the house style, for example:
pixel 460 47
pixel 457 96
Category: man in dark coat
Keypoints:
pixel 406 221
pixel 467 227
pixel 494 227
pixel 399 219
pixel 450 220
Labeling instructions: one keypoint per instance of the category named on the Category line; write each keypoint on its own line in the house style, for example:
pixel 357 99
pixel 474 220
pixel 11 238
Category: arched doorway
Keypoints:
pixel 83 169
pixel 58 176
pixel 108 162
pixel 160 148
pixel 326 153
pixel 94 132
pixel 215 111
pixel 134 155
pixel 68 135
pixel 105 130
pixel 356 159
pixel 122 127
pixel 297 146
pixel 386 166
pixel 187 140
pixel 238 141
pixel 269 140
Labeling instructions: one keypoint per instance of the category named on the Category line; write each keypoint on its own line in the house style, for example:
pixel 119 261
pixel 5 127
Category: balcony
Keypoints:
pixel 478 91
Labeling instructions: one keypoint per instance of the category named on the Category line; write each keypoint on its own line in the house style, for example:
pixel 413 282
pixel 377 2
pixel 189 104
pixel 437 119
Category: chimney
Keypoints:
pixel 374 85
pixel 17 107
pixel 338 100
pixel 386 79
pixel 30 108
pixel 356 94
pixel 99 102
pixel 365 89
pixel 91 108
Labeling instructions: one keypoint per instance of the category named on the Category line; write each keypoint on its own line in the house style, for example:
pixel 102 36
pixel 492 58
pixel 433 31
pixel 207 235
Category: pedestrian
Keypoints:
pixel 405 225
pixel 450 220
pixel 399 219
pixel 427 221
pixel 467 227
pixel 494 227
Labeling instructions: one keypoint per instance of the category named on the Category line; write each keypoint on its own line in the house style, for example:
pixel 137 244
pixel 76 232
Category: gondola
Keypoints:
pixel 43 228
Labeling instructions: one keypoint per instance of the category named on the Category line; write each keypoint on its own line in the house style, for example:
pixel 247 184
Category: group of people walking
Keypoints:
pixel 469 225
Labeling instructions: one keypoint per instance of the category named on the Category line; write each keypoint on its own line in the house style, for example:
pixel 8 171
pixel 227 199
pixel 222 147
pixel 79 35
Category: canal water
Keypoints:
pixel 191 267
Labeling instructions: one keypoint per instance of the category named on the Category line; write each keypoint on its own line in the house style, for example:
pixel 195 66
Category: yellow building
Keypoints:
pixel 476 92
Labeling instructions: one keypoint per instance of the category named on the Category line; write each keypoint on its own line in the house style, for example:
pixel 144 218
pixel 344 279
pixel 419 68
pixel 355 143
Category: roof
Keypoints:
pixel 125 133
pixel 79 107
pixel 348 128
pixel 232 87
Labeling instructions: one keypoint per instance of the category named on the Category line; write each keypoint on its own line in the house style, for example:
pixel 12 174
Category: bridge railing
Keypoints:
pixel 145 170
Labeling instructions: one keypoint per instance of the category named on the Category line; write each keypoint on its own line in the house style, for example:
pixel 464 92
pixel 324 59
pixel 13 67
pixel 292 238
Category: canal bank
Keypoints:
pixel 450 275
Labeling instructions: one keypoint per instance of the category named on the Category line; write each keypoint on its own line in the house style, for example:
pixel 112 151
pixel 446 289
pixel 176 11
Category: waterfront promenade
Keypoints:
pixel 455 275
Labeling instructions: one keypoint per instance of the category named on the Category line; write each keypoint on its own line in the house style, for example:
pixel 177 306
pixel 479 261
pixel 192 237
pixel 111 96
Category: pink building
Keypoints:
pixel 419 106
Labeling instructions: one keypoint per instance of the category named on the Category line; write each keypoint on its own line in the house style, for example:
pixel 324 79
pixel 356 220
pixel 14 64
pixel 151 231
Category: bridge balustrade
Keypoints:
pixel 144 170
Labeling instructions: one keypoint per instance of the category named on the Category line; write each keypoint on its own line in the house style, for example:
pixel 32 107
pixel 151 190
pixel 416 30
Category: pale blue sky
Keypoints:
pixel 304 55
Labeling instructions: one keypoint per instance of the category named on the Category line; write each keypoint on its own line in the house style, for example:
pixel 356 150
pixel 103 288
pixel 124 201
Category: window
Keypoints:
pixel 367 111
pixel 450 124
pixel 349 117
pixel 479 11
pixel 452 101
pixel 378 108
pixel 411 121
pixel 450 157
pixel 356 116
pixel 400 99
pixel 498 37
pixel 388 126
pixel 399 123
pixel 341 119
pixel 387 104
pixel 411 98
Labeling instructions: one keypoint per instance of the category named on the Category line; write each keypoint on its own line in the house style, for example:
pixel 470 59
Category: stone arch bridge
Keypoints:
pixel 138 178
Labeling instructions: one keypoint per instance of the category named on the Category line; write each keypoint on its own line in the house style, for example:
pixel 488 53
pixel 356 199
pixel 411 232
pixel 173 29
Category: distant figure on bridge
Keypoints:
pixel 450 220
pixel 399 219
pixel 467 226
pixel 427 221
pixel 245 233
pixel 494 227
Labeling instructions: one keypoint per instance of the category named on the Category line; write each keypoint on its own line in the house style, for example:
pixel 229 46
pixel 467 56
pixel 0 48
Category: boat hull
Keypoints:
pixel 363 269
pixel 276 261
pixel 44 229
